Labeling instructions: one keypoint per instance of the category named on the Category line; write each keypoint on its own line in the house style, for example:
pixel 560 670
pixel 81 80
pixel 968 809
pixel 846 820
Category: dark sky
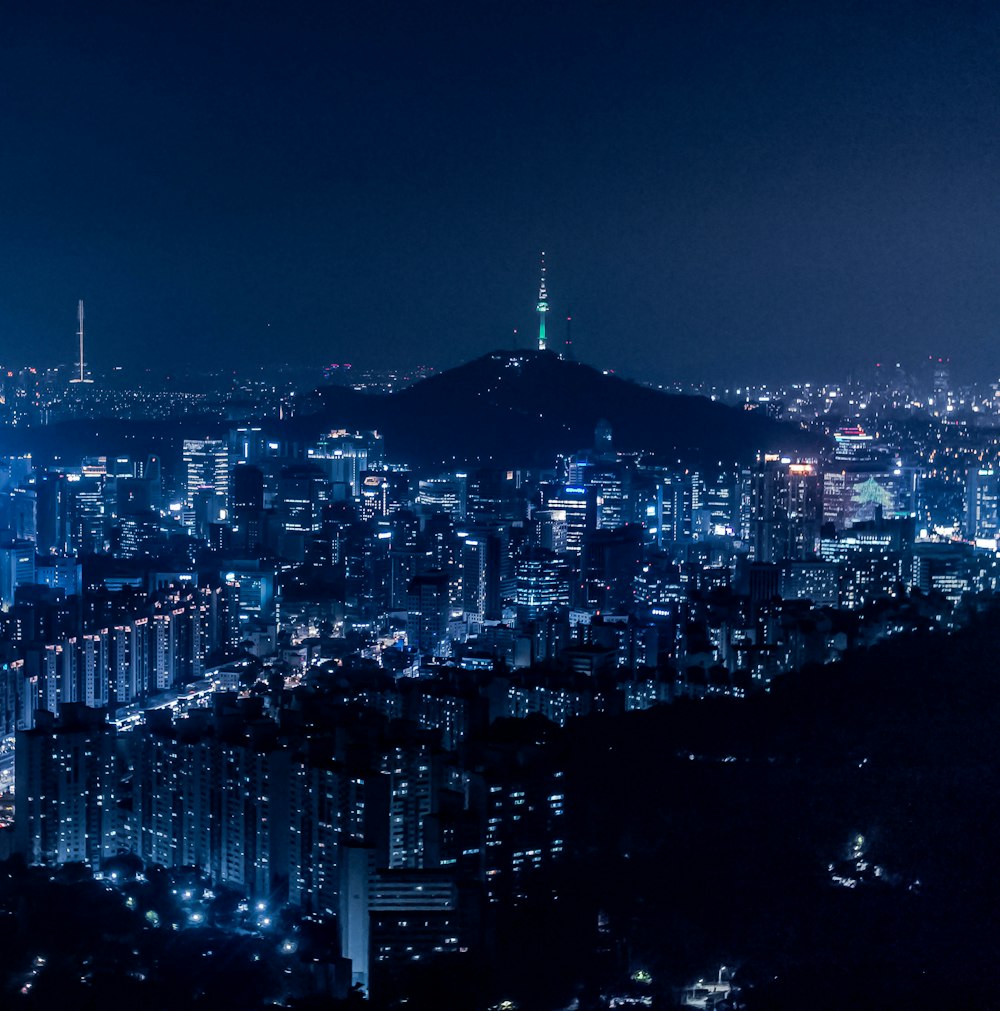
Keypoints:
pixel 723 190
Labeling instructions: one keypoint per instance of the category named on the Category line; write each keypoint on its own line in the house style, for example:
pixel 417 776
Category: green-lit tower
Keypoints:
pixel 543 307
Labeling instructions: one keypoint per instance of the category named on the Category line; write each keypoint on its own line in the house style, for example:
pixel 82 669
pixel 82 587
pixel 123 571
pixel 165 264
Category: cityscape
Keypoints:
pixel 499 506
pixel 276 694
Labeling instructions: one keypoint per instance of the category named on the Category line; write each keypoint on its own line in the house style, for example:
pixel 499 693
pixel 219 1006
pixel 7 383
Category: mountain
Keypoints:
pixel 522 408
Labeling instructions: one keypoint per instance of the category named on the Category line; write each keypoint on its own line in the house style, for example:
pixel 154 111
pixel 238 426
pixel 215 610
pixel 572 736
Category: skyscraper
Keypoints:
pixel 982 512
pixel 206 466
pixel 427 613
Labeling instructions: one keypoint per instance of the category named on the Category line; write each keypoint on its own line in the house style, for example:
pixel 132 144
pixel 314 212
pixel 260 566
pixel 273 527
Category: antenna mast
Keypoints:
pixel 543 307
pixel 79 315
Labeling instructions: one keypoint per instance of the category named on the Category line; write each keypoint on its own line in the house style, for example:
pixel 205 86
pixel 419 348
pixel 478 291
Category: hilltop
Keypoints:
pixel 521 408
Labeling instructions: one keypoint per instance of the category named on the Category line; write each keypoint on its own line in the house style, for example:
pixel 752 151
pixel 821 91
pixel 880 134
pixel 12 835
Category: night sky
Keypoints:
pixel 724 191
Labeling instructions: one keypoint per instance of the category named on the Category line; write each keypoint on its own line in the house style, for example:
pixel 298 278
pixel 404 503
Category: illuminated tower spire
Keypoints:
pixel 79 315
pixel 543 307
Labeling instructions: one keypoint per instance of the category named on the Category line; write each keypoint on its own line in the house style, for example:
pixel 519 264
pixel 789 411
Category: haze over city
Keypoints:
pixel 732 191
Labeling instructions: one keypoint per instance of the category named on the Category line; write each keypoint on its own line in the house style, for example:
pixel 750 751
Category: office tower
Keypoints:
pixel 405 564
pixel 572 500
pixel 407 558
pixel 853 445
pixel 302 493
pixel 87 509
pixel 137 535
pixel 19 514
pixel 247 497
pixel 446 494
pixel 541 582
pixel 858 493
pixel 484 562
pixel 134 497
pixel 785 510
pixel 428 611
pixel 399 494
pixel 52 497
pixel 374 500
pixel 17 567
pixel 247 489
pixel 550 529
pixel 15 472
pixel 495 496
pixel 206 485
pixel 344 456
pixel 940 369
pixel 718 501
pixel 982 503
pixel 609 485
pixel 253 586
pixel 612 561
pixel 247 444
pixel 474 576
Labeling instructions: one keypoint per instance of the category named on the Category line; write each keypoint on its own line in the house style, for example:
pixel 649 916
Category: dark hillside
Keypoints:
pixel 519 408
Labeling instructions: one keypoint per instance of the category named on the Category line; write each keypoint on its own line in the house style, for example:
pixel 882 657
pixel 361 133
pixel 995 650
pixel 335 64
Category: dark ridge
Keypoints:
pixel 521 408
pixel 507 409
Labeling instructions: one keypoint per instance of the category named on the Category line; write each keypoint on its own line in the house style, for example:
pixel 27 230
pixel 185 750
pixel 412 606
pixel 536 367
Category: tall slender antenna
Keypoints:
pixel 79 315
pixel 543 307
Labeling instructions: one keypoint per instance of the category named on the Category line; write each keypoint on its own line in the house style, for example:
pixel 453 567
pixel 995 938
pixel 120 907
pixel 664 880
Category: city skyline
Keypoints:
pixel 369 638
pixel 494 690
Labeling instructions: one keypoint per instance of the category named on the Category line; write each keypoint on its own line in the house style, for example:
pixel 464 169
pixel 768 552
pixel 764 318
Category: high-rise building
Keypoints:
pixel 17 567
pixel 786 504
pixel 484 562
pixel 857 494
pixel 344 456
pixel 612 561
pixel 982 503
pixel 428 611
pixel 247 497
pixel 66 789
pixel 302 493
pixel 206 469
pixel 374 499
pixel 572 500
pixel 445 494
pixel 541 580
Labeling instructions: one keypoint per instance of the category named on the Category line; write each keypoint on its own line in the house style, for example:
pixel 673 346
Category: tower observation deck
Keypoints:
pixel 542 307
